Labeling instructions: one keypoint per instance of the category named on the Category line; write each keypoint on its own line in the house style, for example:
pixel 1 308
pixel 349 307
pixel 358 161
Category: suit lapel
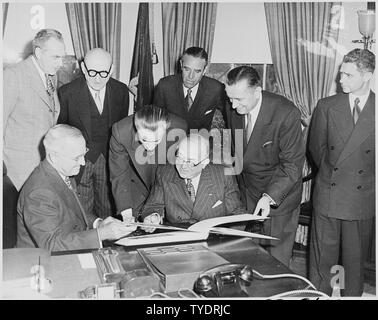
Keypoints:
pixel 342 118
pixel 364 127
pixel 177 187
pixel 204 189
pixel 84 99
pixel 180 92
pixel 36 82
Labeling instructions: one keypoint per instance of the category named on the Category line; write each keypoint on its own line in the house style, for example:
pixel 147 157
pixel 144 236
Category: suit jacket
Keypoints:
pixel 49 215
pixel 132 180
pixel 274 156
pixel 210 96
pixel 217 195
pixel 28 115
pixel 75 99
pixel 345 156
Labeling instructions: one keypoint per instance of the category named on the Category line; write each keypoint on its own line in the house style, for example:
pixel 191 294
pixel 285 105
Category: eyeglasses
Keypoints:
pixel 76 159
pixel 92 73
pixel 189 163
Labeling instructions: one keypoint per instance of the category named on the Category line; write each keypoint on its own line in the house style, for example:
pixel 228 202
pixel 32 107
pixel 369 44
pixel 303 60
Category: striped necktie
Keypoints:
pixel 189 99
pixel 68 182
pixel 191 191
pixel 356 110
pixel 50 90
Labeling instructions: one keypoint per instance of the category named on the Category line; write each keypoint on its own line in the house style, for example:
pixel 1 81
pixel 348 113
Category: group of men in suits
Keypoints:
pixel 153 171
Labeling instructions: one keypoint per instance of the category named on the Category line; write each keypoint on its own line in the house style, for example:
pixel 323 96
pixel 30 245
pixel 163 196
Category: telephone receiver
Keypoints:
pixel 226 280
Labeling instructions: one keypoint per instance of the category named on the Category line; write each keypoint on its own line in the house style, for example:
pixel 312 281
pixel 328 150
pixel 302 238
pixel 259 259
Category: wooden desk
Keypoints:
pixel 64 268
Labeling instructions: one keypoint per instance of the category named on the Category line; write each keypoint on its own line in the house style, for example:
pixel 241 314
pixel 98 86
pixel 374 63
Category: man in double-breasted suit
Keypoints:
pixel 342 145
pixel 50 215
pixel 93 103
pixel 138 144
pixel 193 189
pixel 31 104
pixel 271 159
pixel 191 95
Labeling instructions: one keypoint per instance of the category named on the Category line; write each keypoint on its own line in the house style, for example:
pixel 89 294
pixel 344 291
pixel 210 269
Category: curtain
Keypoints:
pixel 186 25
pixel 303 38
pixel 5 13
pixel 141 66
pixel 95 25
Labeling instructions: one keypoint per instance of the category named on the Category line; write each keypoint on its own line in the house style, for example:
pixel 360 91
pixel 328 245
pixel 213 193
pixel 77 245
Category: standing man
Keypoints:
pixel 50 215
pixel 31 105
pixel 342 144
pixel 191 95
pixel 273 156
pixel 138 144
pixel 92 104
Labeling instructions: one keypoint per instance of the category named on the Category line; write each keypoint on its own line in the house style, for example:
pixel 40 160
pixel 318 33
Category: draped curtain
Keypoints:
pixel 142 63
pixel 5 13
pixel 303 38
pixel 186 25
pixel 96 25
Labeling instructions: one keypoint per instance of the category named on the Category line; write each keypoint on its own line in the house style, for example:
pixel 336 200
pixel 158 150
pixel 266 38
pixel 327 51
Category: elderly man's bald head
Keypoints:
pixel 97 68
pixel 192 156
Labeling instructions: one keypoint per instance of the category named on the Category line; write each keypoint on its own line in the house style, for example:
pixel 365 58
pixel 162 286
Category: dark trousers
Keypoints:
pixel 333 242
pixel 94 188
pixel 10 197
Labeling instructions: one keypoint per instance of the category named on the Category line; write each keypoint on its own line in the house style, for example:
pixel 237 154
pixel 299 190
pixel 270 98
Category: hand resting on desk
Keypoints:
pixel 113 229
pixel 153 218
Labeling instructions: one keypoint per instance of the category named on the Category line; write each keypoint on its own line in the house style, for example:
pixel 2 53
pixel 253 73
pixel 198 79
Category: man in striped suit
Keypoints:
pixel 193 189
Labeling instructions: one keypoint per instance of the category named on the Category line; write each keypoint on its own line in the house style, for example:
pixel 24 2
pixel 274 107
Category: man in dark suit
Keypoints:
pixel 92 104
pixel 342 145
pixel 138 144
pixel 50 215
pixel 193 189
pixel 191 95
pixel 270 154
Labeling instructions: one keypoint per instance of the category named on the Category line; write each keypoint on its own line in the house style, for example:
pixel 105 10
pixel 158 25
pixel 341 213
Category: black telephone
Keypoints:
pixel 226 280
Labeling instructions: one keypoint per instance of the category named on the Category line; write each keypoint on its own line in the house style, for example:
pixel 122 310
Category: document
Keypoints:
pixel 196 232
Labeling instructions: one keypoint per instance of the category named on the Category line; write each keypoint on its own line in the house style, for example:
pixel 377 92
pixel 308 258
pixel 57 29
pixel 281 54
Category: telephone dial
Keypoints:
pixel 226 280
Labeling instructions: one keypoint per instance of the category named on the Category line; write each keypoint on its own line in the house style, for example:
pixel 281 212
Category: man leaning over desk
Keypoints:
pixel 193 189
pixel 50 215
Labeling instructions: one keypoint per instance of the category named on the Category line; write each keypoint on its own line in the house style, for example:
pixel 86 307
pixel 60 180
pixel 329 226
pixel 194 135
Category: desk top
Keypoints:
pixel 68 276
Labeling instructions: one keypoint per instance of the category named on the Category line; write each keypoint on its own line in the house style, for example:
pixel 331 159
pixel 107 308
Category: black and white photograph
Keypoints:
pixel 188 154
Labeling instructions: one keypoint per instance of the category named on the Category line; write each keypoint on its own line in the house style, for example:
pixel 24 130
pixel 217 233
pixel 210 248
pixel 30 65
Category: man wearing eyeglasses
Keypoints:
pixel 31 105
pixel 93 103
pixel 193 189
pixel 50 215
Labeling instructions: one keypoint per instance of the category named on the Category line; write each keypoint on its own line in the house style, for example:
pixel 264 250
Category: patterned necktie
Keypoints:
pixel 68 182
pixel 50 89
pixel 191 191
pixel 188 99
pixel 98 101
pixel 356 110
pixel 248 130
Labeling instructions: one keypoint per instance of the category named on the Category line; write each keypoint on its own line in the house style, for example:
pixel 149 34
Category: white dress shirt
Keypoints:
pixel 254 114
pixel 193 92
pixel 102 95
pixel 362 102
pixel 195 183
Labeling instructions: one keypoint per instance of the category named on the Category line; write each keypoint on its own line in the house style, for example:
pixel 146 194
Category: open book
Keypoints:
pixel 196 232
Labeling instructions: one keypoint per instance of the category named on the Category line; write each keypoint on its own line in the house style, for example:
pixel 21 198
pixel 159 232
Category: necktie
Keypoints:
pixel 98 101
pixel 50 90
pixel 191 191
pixel 248 130
pixel 189 99
pixel 356 110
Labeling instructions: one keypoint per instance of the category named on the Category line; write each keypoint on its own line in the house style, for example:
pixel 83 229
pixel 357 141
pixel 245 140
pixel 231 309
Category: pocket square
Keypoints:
pixel 216 204
pixel 267 143
pixel 208 111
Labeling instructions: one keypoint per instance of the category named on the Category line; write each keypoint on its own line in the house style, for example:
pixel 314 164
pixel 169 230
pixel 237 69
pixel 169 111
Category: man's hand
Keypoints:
pixel 113 229
pixel 153 218
pixel 264 205
pixel 127 216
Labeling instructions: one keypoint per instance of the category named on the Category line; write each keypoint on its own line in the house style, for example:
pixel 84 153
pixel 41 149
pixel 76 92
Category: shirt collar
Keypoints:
pixel 256 109
pixel 40 71
pixel 362 98
pixel 193 92
pixel 102 92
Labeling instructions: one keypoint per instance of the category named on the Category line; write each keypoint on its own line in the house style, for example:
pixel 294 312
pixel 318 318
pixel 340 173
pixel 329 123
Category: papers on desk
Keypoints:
pixel 196 232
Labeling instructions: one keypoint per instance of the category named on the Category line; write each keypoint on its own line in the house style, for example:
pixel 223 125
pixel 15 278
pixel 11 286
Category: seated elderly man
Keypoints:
pixel 193 189
pixel 50 215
